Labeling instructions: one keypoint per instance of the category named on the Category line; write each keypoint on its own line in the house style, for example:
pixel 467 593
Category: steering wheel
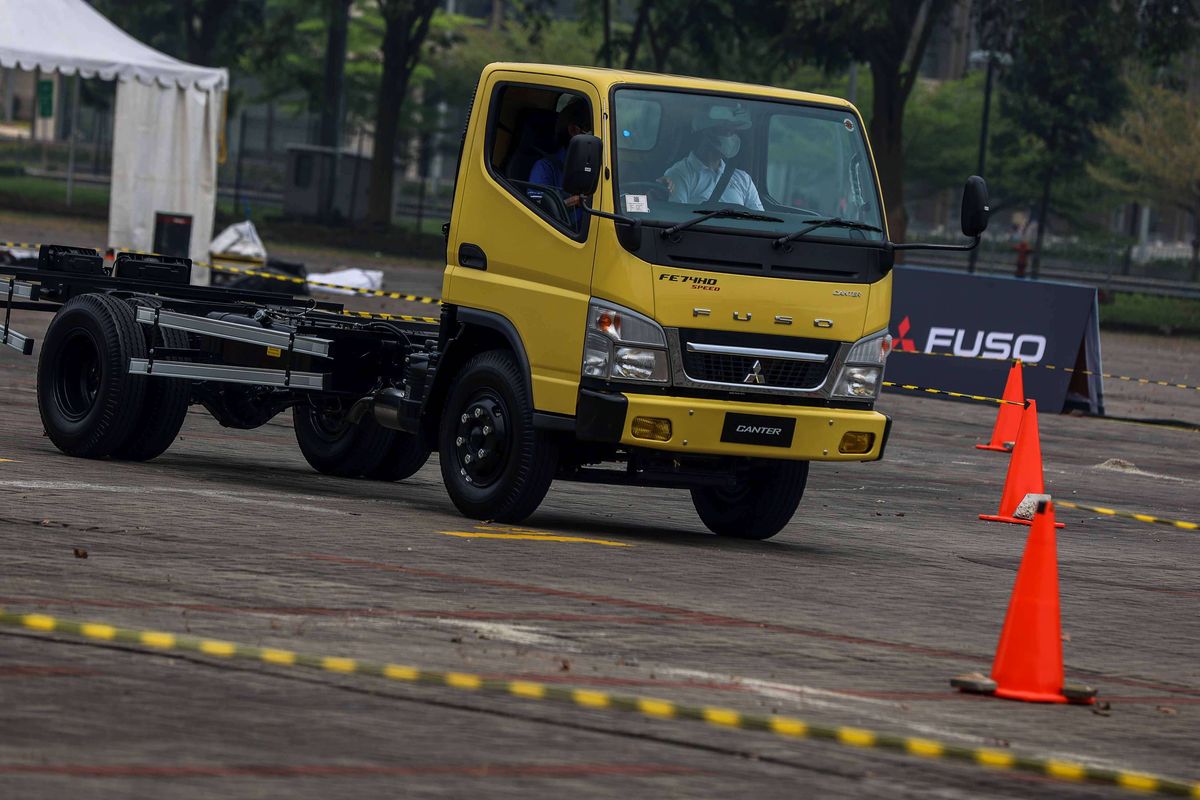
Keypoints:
pixel 651 188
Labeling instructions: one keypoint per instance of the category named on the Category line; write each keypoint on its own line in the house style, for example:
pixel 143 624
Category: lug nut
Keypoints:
pixel 465 418
pixel 478 412
pixel 481 453
pixel 487 429
pixel 467 458
pixel 458 441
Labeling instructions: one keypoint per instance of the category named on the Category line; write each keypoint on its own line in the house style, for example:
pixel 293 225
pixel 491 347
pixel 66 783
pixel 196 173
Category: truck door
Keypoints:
pixel 519 247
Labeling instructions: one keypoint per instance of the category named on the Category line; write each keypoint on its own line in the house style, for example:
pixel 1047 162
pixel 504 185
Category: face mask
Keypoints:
pixel 728 145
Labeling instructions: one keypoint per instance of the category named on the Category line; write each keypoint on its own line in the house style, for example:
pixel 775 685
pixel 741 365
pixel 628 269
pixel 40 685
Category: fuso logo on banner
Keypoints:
pixel 1029 347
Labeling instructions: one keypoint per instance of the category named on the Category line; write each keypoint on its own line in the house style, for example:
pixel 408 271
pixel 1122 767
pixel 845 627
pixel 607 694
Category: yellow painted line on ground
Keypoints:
pixel 535 537
pixel 8 461
pixel 594 700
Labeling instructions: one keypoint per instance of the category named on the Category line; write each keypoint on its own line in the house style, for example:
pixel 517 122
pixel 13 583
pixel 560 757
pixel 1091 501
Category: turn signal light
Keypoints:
pixel 855 442
pixel 654 428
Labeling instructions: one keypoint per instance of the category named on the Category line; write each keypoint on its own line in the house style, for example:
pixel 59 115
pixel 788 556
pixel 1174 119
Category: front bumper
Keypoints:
pixel 698 425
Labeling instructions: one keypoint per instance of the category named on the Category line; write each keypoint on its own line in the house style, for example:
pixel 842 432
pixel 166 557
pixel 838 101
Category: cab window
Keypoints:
pixel 528 132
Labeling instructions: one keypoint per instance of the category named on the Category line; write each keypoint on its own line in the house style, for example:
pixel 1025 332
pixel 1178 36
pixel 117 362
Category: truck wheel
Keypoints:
pixel 759 506
pixel 165 405
pixel 333 447
pixel 406 455
pixel 88 401
pixel 495 465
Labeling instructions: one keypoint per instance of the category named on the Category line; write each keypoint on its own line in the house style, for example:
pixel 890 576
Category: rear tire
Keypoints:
pixel 88 401
pixel 489 409
pixel 406 455
pixel 165 405
pixel 764 501
pixel 334 447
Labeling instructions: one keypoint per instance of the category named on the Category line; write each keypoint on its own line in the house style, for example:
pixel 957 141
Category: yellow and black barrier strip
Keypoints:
pixel 1126 378
pixel 1114 512
pixel 927 390
pixel 781 726
pixel 412 298
pixel 380 315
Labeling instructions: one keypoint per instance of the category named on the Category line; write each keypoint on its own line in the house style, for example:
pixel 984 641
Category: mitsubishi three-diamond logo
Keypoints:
pixel 902 341
pixel 755 375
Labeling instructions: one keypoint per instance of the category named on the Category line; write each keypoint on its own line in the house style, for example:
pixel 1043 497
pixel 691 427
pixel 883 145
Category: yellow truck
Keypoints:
pixel 651 280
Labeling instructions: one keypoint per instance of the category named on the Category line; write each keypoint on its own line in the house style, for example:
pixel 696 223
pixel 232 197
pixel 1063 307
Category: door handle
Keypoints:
pixel 471 256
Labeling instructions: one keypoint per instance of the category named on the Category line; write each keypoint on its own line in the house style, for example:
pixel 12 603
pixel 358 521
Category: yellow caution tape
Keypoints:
pixel 1127 378
pixel 782 726
pixel 1113 512
pixel 927 390
pixel 412 298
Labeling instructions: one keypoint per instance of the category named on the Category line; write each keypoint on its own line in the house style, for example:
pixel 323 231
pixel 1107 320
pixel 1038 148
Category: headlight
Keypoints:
pixel 624 345
pixel 862 375
pixel 640 364
pixel 860 383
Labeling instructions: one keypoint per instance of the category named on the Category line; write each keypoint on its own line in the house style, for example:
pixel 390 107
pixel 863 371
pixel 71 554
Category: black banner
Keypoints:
pixel 991 320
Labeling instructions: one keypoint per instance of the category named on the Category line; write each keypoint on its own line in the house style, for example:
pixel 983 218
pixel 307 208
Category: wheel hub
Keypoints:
pixel 481 439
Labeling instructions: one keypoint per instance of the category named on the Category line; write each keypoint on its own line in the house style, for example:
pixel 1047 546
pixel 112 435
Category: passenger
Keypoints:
pixel 694 178
pixel 574 119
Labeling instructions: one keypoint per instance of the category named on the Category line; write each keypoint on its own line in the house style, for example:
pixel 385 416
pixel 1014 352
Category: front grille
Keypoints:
pixel 731 368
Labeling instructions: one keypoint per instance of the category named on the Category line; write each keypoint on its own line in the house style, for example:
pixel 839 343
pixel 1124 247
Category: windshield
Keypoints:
pixel 790 162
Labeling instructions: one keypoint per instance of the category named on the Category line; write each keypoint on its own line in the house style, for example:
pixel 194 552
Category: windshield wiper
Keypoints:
pixel 831 222
pixel 717 213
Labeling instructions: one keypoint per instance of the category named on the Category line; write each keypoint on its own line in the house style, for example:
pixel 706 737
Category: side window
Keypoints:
pixel 528 131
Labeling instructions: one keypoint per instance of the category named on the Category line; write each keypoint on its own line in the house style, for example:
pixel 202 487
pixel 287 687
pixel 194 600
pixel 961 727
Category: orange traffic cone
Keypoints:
pixel 1008 421
pixel 1028 664
pixel 1024 470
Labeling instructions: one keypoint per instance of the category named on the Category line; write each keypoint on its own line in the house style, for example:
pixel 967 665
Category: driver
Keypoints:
pixel 694 178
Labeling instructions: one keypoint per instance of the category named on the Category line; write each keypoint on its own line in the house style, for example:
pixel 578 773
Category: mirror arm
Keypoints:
pixel 922 246
pixel 620 219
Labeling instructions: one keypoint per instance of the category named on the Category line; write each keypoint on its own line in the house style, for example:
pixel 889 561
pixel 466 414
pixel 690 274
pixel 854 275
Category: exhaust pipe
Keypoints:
pixel 389 407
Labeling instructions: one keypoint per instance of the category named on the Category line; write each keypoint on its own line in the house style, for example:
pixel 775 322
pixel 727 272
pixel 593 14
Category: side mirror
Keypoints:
pixel 974 207
pixel 581 171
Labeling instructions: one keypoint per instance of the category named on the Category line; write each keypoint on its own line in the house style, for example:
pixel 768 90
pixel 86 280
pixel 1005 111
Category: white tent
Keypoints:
pixel 167 122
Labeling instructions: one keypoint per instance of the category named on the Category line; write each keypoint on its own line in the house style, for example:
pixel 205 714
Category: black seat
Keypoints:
pixel 535 140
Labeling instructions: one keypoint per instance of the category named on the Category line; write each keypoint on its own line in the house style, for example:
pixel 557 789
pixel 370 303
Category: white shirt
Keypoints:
pixel 694 183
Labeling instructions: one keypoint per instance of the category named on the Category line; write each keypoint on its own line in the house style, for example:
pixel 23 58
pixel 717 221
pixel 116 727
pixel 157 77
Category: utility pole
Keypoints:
pixel 983 138
pixel 607 33
pixel 333 103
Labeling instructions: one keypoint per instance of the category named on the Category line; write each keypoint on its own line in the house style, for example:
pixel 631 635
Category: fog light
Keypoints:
pixel 655 428
pixel 856 442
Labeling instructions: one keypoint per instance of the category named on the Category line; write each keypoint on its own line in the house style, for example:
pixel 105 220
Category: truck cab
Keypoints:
pixel 719 352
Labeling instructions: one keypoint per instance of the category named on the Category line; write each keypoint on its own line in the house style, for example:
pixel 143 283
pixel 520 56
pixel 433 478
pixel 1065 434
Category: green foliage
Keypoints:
pixel 1170 315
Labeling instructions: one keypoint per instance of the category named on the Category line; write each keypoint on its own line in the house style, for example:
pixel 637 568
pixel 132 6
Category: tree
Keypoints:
pixel 1156 147
pixel 890 37
pixel 406 24
pixel 208 32
pixel 1066 78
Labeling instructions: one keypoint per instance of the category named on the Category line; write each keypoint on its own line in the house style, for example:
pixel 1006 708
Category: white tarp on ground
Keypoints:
pixel 347 276
pixel 167 122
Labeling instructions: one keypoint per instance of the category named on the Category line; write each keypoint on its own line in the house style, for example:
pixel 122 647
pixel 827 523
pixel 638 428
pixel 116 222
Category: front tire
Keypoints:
pixel 763 501
pixel 495 465
pixel 88 401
